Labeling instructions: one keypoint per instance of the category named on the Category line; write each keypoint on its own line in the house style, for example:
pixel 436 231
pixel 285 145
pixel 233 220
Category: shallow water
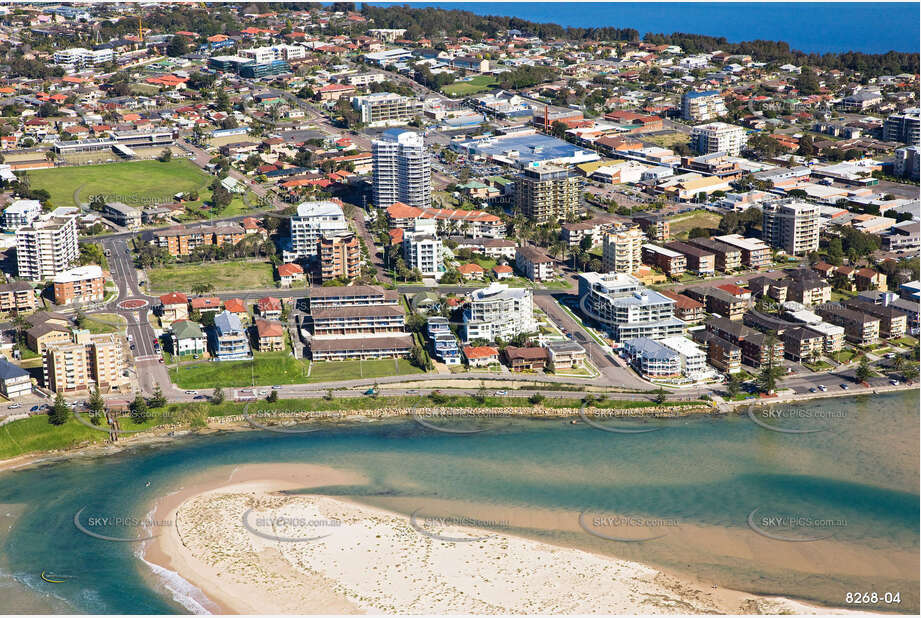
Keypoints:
pixel 702 477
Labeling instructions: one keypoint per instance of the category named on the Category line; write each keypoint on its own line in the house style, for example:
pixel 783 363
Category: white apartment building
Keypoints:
pixel 693 359
pixel 314 220
pixel 791 225
pixel 622 248
pixel 627 309
pixel 498 312
pixel 21 213
pixel 262 55
pixel 700 106
pixel 907 162
pixel 384 109
pixel 423 250
pixel 80 56
pixel 402 170
pixel 48 246
pixel 718 137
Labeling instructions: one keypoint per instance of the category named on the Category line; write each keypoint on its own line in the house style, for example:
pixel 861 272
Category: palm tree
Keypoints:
pixel 202 288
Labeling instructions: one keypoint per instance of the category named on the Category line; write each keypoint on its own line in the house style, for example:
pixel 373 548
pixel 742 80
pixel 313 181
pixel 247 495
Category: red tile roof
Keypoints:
pixel 483 351
pixel 269 303
pixel 174 298
pixel 235 305
pixel 206 302
pixel 269 328
pixel 289 270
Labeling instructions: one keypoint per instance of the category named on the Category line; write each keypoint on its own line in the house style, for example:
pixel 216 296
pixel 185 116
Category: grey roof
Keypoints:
pixel 8 370
pixel 650 348
pixel 227 322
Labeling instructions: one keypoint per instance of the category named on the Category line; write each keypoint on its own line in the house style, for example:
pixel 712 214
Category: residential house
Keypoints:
pixel 187 338
pixel 205 304
pixel 270 335
pixel 564 354
pixel 289 274
pixel 269 307
pixel 481 356
pixel 525 359
pixel 228 338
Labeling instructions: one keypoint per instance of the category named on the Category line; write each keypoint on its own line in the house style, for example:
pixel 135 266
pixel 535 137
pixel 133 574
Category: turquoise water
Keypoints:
pixel 706 473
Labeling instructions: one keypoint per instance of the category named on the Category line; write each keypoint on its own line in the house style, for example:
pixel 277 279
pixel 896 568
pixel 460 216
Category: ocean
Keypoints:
pixel 869 27
pixel 718 485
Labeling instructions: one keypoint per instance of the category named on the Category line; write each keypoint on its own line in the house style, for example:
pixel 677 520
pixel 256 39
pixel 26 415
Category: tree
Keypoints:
pixel 733 385
pixel 222 101
pixel 806 147
pixel 536 398
pixel 767 379
pixel 660 396
pixel 158 400
pixel 218 396
pixel 177 46
pixel 863 370
pixel 165 155
pixel 59 412
pixel 95 403
pixel 558 128
pixel 910 372
pixel 807 82
pixel 139 412
pixel 273 396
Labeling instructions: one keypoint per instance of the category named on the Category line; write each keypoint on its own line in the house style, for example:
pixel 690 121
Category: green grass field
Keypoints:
pixel 37 434
pixel 480 83
pixel 681 225
pixel 104 323
pixel 223 276
pixel 280 368
pixel 131 182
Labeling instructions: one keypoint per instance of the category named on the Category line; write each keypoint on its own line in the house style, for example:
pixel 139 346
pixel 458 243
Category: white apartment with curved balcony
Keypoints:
pixel 498 312
pixel 401 169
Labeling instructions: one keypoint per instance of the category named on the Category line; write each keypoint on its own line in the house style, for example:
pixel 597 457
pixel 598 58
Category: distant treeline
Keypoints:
pixel 433 22
pixel 890 63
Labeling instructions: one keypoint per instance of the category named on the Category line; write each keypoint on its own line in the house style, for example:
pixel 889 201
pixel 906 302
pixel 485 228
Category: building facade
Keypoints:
pixel 718 137
pixel 84 284
pixel 791 225
pixel 498 312
pixel 622 248
pixel 313 221
pixel 47 247
pixel 547 193
pixel 700 106
pixel 401 170
pixel 340 256
pixel 627 309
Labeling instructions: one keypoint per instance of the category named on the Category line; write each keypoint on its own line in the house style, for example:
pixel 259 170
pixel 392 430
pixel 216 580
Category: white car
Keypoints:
pixel 501 393
pixel 823 388
pixel 191 392
pixel 14 406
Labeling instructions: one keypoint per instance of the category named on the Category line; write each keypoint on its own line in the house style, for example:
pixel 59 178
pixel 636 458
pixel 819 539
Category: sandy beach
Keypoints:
pixel 251 546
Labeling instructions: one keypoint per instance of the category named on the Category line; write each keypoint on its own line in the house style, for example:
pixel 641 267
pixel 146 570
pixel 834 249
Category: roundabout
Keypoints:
pixel 132 304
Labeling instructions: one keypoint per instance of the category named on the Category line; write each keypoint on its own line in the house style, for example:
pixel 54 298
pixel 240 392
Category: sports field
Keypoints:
pixel 480 83
pixel 131 182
